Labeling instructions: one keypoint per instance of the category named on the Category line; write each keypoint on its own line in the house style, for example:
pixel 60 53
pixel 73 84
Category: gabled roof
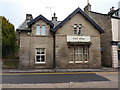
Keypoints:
pixel 78 10
pixel 38 18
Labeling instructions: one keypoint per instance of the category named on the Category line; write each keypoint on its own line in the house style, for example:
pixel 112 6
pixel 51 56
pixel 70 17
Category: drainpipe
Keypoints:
pixel 29 33
pixel 54 54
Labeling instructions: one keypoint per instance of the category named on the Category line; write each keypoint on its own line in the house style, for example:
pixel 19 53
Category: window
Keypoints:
pixel 38 30
pixel 43 30
pixel 80 29
pixel 78 54
pixel 75 28
pixel 40 55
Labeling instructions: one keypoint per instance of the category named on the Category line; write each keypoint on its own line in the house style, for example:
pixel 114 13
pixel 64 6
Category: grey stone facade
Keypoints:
pixel 104 20
pixel 57 49
pixel 29 41
pixel 62 48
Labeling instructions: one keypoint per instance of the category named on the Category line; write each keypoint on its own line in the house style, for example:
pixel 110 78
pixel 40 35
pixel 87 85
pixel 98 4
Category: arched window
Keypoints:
pixel 43 30
pixel 38 30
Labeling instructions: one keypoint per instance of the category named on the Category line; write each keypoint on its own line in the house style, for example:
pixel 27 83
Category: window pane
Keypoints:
pixel 42 58
pixel 80 26
pixel 86 53
pixel 43 30
pixel 80 31
pixel 38 58
pixel 42 51
pixel 38 30
pixel 71 56
pixel 75 26
pixel 38 51
pixel 75 31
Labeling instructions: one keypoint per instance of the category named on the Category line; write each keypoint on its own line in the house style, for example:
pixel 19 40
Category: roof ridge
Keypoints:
pixel 40 17
pixel 84 14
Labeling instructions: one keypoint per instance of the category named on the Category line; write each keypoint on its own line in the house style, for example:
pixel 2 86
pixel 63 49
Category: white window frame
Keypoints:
pixel 79 53
pixel 40 55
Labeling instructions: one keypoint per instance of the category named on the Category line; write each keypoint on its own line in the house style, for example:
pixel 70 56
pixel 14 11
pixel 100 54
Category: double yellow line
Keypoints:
pixel 52 73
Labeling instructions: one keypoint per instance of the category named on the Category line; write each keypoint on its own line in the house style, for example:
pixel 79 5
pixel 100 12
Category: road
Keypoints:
pixel 51 78
pixel 84 79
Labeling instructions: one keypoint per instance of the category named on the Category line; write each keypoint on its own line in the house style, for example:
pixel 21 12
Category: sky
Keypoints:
pixel 15 10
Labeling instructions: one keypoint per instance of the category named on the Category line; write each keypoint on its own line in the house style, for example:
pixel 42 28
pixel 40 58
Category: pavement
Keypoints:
pixel 109 73
pixel 105 69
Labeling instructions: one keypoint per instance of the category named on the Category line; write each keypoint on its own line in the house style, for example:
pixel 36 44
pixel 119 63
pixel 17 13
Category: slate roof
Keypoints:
pixel 56 23
pixel 78 10
pixel 24 26
pixel 38 18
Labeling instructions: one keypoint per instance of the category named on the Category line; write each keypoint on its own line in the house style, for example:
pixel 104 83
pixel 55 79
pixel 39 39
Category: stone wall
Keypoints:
pixel 29 43
pixel 104 21
pixel 62 48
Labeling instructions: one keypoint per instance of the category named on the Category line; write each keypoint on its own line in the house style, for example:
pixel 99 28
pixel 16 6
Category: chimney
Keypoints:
pixel 111 12
pixel 87 8
pixel 111 9
pixel 29 17
pixel 54 18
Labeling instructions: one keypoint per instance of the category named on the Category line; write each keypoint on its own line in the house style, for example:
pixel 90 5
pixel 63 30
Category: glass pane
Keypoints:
pixel 80 26
pixel 38 51
pixel 38 58
pixel 81 50
pixel 86 53
pixel 43 30
pixel 81 57
pixel 42 51
pixel 76 57
pixel 38 30
pixel 80 31
pixel 71 56
pixel 86 57
pixel 75 26
pixel 42 58
pixel 75 31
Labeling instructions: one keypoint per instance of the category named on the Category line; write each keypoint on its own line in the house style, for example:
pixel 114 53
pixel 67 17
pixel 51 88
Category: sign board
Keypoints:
pixel 78 38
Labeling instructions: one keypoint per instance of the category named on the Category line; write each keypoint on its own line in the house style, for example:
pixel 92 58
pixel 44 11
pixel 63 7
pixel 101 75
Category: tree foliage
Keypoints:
pixel 9 42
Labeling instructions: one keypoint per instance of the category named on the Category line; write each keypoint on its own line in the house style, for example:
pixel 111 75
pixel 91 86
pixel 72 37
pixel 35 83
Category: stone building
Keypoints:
pixel 71 43
pixel 36 43
pixel 109 40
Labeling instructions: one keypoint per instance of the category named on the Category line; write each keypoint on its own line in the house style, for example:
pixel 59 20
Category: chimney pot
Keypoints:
pixel 54 18
pixel 29 17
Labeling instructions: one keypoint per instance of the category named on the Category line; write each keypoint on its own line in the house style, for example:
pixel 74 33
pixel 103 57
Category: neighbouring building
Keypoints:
pixel 110 41
pixel 72 43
